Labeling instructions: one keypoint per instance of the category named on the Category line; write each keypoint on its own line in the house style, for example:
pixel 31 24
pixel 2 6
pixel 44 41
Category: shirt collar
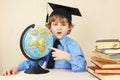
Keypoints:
pixel 62 40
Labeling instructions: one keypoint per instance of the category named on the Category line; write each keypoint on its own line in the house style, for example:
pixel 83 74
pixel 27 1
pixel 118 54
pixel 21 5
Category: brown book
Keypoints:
pixel 105 60
pixel 108 40
pixel 114 57
pixel 107 43
pixel 104 64
pixel 111 76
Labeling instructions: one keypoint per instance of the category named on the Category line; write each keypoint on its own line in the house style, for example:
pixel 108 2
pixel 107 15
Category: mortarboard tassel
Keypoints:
pixel 47 17
pixel 47 12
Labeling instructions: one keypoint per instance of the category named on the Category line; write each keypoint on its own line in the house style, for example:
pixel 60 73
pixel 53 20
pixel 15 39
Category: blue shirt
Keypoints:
pixel 77 62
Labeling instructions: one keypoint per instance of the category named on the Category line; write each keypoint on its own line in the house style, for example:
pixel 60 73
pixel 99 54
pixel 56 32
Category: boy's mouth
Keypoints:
pixel 59 32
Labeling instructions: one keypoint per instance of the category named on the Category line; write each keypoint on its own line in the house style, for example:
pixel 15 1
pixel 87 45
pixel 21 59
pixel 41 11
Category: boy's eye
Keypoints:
pixel 55 24
pixel 63 24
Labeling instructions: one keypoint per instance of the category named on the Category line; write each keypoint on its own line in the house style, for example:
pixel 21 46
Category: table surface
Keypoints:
pixel 54 74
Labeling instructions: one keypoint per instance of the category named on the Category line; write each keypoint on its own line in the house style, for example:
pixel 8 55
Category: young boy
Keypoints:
pixel 68 54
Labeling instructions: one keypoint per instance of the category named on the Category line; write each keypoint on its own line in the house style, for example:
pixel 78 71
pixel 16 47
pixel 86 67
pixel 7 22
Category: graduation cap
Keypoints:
pixel 64 11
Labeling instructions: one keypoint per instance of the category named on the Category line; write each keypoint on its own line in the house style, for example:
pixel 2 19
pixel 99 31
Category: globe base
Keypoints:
pixel 36 70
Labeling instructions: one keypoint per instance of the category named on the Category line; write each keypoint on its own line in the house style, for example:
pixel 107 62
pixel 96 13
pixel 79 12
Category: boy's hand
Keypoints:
pixel 10 71
pixel 59 54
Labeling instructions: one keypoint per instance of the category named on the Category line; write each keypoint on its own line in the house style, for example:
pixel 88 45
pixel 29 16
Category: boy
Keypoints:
pixel 67 54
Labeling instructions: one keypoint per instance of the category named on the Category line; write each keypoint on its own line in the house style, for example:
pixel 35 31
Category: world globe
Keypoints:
pixel 34 44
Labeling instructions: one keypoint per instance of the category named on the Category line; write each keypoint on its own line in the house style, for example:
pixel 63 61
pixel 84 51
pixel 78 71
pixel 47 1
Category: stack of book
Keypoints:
pixel 106 60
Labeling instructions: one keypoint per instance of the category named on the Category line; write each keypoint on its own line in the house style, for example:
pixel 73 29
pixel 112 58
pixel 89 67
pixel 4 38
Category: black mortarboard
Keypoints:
pixel 64 11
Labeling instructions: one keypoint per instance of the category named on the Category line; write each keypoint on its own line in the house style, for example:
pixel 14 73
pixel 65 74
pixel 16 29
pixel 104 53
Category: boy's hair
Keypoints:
pixel 61 19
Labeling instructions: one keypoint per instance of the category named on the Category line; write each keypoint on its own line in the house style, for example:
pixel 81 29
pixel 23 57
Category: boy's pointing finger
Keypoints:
pixel 53 48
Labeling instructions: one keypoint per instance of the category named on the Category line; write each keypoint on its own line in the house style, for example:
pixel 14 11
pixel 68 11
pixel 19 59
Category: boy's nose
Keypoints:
pixel 59 26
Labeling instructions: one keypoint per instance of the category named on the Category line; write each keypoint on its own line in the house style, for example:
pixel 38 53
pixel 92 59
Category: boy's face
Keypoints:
pixel 60 28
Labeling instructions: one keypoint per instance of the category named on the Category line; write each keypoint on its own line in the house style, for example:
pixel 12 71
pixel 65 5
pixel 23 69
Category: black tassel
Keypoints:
pixel 47 17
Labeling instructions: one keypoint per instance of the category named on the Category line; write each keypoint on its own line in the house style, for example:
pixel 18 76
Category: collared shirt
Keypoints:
pixel 76 63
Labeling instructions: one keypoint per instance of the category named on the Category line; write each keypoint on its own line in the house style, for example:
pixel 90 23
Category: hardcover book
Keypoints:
pixel 107 56
pixel 105 64
pixel 107 43
pixel 111 76
pixel 111 51
pixel 107 70
pixel 109 61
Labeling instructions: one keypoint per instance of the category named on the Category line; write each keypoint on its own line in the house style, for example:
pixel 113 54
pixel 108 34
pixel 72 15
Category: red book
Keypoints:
pixel 106 70
pixel 103 76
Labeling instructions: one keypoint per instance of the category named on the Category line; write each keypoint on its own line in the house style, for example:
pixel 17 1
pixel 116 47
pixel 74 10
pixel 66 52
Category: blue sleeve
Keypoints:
pixel 77 61
pixel 27 64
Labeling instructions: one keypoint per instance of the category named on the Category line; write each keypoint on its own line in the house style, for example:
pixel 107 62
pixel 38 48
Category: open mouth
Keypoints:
pixel 59 32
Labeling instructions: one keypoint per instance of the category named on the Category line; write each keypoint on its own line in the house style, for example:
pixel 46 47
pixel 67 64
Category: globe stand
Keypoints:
pixel 36 69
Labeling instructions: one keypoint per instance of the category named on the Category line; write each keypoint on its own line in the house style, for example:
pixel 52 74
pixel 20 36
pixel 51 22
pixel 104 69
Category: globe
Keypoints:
pixel 34 44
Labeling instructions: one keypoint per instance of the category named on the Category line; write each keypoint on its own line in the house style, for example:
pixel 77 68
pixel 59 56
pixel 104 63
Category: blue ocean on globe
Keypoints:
pixel 36 42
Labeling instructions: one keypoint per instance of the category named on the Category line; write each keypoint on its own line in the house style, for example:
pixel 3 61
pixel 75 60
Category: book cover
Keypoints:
pixel 107 43
pixel 112 76
pixel 107 70
pixel 107 56
pixel 105 60
pixel 105 64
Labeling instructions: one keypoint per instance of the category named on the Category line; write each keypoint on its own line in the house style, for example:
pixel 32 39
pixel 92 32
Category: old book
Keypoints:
pixel 107 43
pixel 107 56
pixel 105 64
pixel 111 51
pixel 105 60
pixel 107 70
pixel 90 69
pixel 111 76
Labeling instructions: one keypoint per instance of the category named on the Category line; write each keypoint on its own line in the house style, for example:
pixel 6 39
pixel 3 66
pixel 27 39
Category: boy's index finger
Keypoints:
pixel 54 49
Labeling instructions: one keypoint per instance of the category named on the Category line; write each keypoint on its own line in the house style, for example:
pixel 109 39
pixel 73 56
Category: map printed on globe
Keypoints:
pixel 36 41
